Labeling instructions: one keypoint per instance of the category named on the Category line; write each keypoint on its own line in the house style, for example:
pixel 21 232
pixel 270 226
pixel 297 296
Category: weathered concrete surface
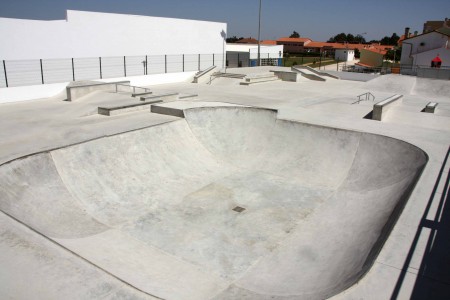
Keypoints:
pixel 202 245
pixel 154 207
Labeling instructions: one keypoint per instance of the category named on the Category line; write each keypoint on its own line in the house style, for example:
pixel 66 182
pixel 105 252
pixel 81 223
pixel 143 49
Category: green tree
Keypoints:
pixel 233 39
pixel 395 54
pixel 295 34
pixel 346 37
pixel 392 40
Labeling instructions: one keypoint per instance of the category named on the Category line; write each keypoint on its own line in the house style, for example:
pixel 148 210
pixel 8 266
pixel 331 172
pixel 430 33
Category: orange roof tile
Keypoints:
pixel 269 42
pixel 376 50
pixel 294 40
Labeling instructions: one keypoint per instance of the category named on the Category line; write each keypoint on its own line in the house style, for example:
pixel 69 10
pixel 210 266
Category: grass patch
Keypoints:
pixel 313 62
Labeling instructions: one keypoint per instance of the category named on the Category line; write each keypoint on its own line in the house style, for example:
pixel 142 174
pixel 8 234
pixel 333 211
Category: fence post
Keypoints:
pixel 213 60
pixel 100 62
pixel 165 63
pixel 42 72
pixel 199 62
pixel 239 65
pixel 146 65
pixel 4 69
pixel 183 62
pixel 124 66
pixel 73 70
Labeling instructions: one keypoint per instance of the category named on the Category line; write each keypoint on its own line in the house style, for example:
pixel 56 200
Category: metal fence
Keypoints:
pixel 413 70
pixel 43 71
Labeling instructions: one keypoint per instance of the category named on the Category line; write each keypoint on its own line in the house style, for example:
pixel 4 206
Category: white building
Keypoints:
pixel 344 54
pixel 246 55
pixel 91 46
pixel 92 34
pixel 421 49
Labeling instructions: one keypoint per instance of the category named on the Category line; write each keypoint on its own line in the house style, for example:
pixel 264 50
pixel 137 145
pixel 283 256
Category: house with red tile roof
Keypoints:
pixel 293 45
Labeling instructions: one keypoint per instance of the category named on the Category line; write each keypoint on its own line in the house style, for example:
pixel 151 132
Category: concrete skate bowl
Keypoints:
pixel 228 203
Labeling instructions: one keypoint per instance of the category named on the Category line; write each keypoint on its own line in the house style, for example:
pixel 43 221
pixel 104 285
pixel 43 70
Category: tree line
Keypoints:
pixel 341 38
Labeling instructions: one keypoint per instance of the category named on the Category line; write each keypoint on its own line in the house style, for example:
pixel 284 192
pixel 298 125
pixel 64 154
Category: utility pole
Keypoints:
pixel 259 36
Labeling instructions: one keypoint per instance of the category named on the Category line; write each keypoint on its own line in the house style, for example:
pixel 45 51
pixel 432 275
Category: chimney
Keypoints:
pixel 406 32
pixel 415 33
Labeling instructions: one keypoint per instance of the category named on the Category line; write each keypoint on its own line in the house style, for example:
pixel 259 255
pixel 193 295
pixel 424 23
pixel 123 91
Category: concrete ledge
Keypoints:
pixel 79 89
pixel 170 111
pixel 286 75
pixel 431 106
pixel 168 96
pixel 202 76
pixel 228 75
pixel 307 75
pixel 258 78
pixel 320 73
pixel 187 96
pixel 116 110
pixel 141 94
pixel 380 108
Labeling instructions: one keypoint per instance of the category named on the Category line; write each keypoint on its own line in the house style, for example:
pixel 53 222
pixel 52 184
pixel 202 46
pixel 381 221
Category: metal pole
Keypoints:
pixel 124 67
pixel 165 63
pixel 42 72
pixel 199 62
pixel 213 60
pixel 73 70
pixel 100 63
pixel 183 62
pixel 146 65
pixel 4 69
pixel 259 35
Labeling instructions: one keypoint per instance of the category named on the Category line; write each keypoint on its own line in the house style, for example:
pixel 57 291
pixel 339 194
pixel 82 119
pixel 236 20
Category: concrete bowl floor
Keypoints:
pixel 228 203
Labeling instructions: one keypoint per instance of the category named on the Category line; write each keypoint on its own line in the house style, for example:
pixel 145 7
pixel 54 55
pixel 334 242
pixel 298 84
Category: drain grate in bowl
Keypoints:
pixel 238 209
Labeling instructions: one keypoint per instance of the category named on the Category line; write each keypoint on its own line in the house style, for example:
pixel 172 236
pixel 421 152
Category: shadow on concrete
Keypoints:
pixel 433 280
pixel 369 115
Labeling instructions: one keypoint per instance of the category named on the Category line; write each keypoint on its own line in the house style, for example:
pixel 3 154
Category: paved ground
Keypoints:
pixel 149 213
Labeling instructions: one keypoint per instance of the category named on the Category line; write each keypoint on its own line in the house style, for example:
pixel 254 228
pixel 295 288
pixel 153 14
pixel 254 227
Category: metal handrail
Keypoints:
pixel 366 96
pixel 133 86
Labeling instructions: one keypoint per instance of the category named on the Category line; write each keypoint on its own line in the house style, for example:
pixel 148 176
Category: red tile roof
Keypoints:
pixel 376 50
pixel 268 42
pixel 294 40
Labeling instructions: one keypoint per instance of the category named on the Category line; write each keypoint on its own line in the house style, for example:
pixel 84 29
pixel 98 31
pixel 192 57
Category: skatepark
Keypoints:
pixel 223 190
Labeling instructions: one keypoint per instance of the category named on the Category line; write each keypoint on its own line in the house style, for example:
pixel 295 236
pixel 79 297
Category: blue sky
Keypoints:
pixel 317 20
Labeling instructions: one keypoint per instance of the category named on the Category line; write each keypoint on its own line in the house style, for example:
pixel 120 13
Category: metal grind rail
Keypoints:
pixel 366 96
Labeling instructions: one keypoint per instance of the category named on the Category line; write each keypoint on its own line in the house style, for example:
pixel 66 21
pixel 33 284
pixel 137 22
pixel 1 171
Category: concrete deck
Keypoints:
pixel 140 205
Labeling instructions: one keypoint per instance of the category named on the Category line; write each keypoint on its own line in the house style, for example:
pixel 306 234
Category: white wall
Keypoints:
pixel 432 43
pixel 273 51
pixel 344 55
pixel 32 92
pixel 91 34
pixel 424 58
